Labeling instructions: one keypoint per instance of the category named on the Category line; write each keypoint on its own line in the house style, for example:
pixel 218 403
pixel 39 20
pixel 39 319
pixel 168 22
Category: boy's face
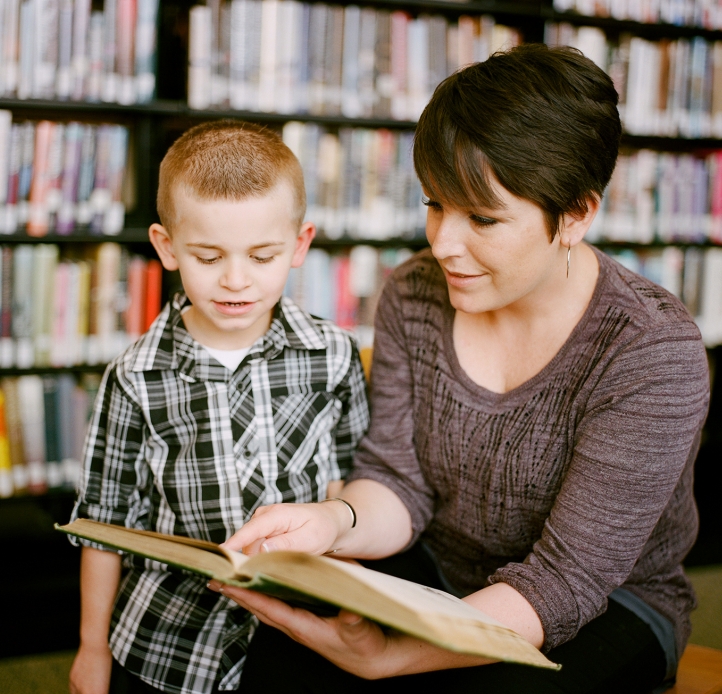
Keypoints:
pixel 234 257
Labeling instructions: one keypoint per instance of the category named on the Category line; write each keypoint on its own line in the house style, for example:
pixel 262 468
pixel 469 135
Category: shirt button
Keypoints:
pixel 246 453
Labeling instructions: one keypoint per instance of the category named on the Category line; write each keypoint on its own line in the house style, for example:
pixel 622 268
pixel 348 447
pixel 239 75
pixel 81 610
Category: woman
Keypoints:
pixel 536 412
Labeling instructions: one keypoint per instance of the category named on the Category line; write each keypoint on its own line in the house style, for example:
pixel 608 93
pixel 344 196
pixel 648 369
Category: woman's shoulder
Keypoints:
pixel 645 305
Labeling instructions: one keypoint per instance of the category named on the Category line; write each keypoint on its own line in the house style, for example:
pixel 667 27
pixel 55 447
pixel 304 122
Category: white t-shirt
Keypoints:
pixel 230 358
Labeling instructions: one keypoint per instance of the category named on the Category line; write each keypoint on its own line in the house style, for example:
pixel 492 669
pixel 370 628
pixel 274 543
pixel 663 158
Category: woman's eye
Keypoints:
pixel 480 221
pixel 206 261
pixel 431 203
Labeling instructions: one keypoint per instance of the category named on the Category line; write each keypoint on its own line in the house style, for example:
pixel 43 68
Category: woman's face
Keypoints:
pixel 495 258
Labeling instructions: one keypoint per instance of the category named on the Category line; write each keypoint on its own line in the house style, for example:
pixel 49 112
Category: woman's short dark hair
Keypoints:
pixel 542 120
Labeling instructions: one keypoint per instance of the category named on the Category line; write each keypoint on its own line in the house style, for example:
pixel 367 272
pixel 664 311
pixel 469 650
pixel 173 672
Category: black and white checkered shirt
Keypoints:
pixel 179 444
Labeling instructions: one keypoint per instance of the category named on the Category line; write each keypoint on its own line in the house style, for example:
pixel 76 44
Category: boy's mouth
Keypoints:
pixel 234 307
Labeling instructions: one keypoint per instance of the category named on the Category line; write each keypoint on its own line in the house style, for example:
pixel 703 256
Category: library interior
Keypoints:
pixel 92 94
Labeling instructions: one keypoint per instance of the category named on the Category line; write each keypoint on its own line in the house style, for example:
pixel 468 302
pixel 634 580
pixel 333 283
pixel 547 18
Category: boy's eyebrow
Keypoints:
pixel 211 247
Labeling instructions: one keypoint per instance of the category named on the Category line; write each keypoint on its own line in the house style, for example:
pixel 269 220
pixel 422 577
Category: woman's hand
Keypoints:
pixel 352 643
pixel 312 528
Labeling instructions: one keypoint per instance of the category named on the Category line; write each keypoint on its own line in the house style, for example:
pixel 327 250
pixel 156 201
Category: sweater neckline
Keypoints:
pixel 474 388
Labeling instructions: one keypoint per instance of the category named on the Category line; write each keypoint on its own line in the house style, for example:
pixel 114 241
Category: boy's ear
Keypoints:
pixel 303 242
pixel 160 238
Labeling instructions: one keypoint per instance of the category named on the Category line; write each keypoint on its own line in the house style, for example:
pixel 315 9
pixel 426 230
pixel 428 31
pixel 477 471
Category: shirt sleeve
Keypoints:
pixel 115 476
pixel 639 432
pixel 387 454
pixel 354 419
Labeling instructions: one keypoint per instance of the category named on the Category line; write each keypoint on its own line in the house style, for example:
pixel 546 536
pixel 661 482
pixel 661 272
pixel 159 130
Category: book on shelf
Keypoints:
pixel 62 177
pixel 42 429
pixel 706 14
pixel 290 57
pixel 345 286
pixel 326 584
pixel 80 307
pixel 70 49
pixel 360 183
pixel 670 88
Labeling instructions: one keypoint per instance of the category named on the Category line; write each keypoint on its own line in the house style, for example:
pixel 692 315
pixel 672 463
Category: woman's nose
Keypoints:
pixel 445 235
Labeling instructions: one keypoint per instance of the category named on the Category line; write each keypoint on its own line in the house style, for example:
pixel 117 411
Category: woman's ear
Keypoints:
pixel 574 228
pixel 163 244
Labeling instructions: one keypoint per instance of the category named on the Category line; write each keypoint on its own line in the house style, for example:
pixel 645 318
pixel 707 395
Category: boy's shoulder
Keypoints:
pixel 306 331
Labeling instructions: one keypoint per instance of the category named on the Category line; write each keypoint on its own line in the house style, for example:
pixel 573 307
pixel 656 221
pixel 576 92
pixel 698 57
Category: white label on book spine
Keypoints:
pixel 6 483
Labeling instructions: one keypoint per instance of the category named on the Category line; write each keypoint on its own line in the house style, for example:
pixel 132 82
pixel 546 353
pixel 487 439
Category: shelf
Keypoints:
pixel 345 242
pixel 655 245
pixel 132 235
pixel 53 370
pixel 629 26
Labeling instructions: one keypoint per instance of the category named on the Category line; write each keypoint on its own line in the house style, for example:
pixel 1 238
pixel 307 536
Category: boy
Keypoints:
pixel 234 398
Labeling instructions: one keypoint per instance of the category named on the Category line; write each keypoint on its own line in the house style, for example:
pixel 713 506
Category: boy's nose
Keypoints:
pixel 235 277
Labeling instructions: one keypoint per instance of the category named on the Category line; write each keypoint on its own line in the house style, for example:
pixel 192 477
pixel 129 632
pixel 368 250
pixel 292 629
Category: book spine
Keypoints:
pixel 32 418
pixel 6 149
pixel 95 58
pixel 6 465
pixel 81 23
pixel 153 292
pixel 14 434
pixel 110 30
pixel 7 352
pixel 9 65
pixel 38 220
pixel 125 48
pixel 145 50
pixel 71 173
pixel 199 57
pixel 53 462
pixel 64 75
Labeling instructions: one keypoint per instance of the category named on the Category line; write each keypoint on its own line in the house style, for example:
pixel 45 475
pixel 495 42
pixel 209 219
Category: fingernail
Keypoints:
pixel 268 546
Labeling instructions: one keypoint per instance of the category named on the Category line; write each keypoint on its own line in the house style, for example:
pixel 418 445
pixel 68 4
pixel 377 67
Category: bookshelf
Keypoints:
pixel 154 123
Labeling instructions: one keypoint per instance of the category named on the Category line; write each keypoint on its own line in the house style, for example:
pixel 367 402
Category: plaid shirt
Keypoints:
pixel 179 444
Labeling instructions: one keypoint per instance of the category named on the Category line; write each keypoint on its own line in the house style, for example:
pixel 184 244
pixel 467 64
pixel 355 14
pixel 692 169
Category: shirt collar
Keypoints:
pixel 169 346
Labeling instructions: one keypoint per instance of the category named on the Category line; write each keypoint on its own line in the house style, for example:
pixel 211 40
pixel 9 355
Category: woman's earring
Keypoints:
pixel 569 258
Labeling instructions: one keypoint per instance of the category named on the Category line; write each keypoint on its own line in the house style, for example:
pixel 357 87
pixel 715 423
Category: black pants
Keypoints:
pixel 124 682
pixel 617 652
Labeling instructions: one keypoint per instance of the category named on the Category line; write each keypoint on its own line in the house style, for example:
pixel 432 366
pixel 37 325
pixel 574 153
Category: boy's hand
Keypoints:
pixel 90 673
pixel 312 528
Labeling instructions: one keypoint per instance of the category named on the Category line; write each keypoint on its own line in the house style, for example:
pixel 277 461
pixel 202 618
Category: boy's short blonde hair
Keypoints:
pixel 227 160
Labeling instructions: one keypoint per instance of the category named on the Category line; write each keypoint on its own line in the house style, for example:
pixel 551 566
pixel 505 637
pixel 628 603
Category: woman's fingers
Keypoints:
pixel 293 527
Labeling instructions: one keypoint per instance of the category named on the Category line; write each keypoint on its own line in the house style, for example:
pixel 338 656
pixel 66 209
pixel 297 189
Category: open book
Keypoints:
pixel 320 582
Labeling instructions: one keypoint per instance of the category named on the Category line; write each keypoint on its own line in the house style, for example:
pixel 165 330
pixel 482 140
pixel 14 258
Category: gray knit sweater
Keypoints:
pixel 575 483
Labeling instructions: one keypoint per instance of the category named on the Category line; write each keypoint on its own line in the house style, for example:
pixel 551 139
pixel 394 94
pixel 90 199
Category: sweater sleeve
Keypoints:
pixel 387 453
pixel 638 433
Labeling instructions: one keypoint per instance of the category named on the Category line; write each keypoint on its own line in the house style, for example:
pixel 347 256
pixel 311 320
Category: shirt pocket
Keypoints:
pixel 300 421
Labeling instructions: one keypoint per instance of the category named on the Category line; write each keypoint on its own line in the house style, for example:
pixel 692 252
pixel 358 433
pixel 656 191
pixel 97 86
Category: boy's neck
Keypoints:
pixel 209 336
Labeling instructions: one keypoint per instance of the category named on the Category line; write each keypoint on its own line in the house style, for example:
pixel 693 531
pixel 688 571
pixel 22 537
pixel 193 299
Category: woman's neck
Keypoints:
pixel 502 349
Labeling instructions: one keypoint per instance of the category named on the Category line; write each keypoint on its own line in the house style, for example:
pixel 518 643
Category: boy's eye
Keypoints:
pixel 480 221
pixel 262 259
pixel 206 261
